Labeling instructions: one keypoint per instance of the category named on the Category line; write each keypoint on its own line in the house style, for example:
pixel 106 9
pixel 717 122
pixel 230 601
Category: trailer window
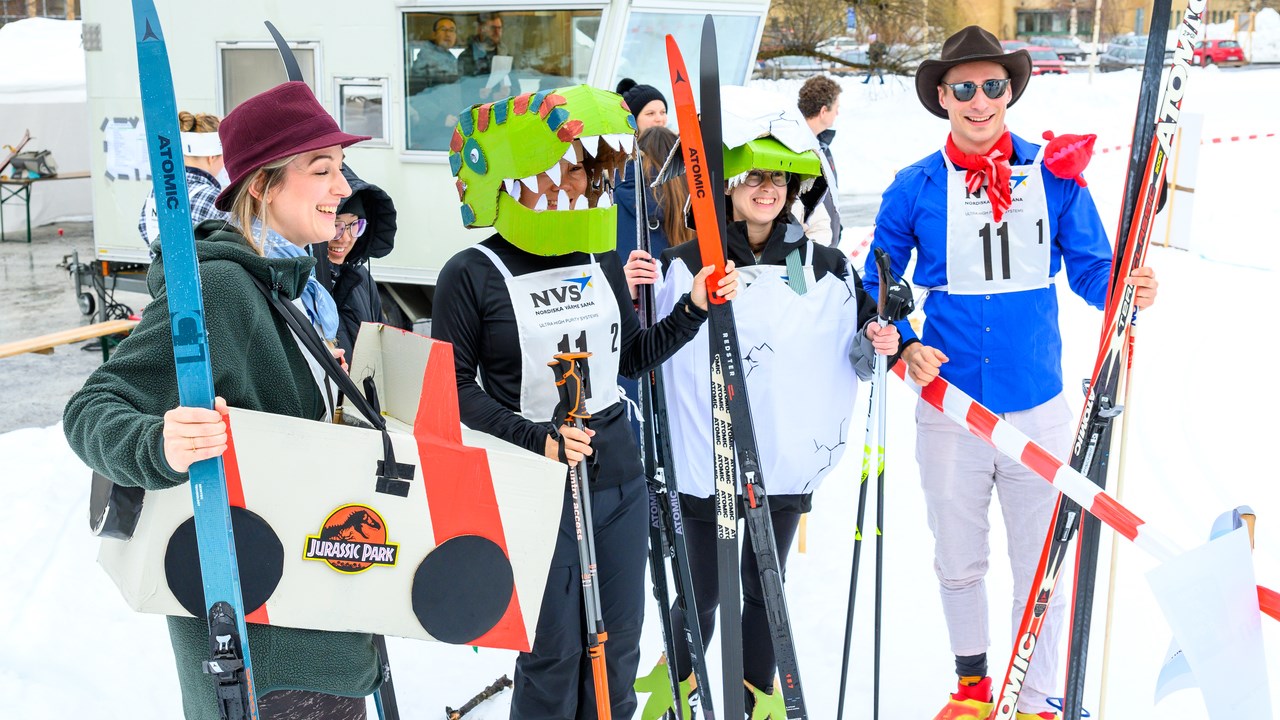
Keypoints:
pixel 360 103
pixel 454 60
pixel 250 68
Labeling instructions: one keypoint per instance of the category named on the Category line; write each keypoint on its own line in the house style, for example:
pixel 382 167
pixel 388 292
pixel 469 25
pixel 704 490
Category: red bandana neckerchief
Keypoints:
pixel 991 169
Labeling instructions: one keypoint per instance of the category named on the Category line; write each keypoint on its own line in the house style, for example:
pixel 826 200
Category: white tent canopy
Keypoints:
pixel 43 90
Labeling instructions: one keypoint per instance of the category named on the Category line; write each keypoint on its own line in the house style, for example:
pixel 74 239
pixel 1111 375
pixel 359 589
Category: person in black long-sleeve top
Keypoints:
pixel 507 311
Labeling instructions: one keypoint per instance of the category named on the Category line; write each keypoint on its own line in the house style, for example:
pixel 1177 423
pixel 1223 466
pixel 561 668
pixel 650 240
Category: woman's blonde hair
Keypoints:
pixel 655 145
pixel 201 122
pixel 246 208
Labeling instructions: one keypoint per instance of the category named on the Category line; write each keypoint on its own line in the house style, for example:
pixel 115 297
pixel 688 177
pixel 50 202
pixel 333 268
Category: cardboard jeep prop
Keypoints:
pixel 461 558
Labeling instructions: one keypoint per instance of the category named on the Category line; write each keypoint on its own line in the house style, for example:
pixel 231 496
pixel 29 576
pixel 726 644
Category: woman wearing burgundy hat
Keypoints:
pixel 992 218
pixel 283 153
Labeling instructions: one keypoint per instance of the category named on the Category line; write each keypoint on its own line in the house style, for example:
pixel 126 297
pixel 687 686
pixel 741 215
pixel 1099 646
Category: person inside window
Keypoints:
pixel 477 56
pixel 434 63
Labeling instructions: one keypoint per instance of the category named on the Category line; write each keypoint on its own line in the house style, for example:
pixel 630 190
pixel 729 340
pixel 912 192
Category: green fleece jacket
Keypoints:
pixel 114 424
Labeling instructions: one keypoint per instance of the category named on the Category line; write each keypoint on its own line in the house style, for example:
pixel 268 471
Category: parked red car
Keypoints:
pixel 1045 60
pixel 1222 52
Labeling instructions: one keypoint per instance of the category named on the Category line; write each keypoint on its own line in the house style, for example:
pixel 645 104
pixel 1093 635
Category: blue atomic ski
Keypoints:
pixel 228 660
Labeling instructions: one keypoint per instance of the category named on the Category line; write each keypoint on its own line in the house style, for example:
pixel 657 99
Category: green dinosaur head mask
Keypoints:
pixel 526 145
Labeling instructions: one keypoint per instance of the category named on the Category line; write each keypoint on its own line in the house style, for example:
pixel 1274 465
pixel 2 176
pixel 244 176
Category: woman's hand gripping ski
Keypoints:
pixel 192 434
pixel 642 269
pixel 884 339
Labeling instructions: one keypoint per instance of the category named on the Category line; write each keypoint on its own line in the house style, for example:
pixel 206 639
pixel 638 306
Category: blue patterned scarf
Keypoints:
pixel 317 301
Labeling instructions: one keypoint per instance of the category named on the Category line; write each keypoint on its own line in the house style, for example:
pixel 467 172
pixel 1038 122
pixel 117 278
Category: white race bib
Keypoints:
pixel 562 310
pixel 985 257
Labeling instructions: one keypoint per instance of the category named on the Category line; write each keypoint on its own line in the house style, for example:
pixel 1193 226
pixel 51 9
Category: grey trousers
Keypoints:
pixel 958 472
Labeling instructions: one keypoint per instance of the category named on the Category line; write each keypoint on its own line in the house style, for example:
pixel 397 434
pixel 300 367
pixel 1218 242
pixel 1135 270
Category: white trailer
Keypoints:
pixel 359 58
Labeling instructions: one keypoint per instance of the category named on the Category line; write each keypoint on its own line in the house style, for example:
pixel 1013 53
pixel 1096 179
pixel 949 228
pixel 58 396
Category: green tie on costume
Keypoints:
pixel 496 147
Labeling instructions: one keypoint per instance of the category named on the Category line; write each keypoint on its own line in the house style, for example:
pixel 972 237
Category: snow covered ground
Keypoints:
pixel 1200 414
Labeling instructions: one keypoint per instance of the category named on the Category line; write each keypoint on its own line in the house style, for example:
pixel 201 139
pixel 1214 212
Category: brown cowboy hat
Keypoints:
pixel 972 44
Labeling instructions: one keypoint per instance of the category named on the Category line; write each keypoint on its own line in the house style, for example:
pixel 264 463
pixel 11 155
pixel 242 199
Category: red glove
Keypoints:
pixel 1067 156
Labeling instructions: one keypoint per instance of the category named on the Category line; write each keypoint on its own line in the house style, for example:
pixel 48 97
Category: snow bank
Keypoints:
pixel 1260 46
pixel 50 57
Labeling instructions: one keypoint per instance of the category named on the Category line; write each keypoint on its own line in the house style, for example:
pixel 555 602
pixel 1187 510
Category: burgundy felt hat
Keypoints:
pixel 972 44
pixel 285 120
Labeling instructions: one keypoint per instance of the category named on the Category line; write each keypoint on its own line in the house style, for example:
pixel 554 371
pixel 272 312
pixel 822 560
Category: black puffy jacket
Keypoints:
pixel 350 283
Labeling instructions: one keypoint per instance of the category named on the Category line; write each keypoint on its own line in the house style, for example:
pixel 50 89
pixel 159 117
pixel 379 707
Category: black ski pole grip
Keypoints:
pixel 570 371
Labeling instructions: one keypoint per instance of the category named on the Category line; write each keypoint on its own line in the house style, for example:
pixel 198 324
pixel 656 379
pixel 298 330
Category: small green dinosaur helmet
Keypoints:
pixel 499 150
pixel 767 153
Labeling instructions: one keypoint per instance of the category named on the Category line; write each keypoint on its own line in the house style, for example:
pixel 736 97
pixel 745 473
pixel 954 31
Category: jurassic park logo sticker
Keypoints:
pixel 352 539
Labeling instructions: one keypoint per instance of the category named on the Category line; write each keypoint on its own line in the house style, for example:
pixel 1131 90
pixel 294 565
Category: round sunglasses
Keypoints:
pixel 356 226
pixel 964 91
pixel 756 178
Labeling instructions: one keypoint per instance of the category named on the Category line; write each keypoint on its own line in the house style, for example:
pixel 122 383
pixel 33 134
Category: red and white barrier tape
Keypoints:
pixel 1003 436
pixel 1208 141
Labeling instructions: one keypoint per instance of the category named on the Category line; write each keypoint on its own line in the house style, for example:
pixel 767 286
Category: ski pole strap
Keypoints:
pixel 393 477
pixel 896 301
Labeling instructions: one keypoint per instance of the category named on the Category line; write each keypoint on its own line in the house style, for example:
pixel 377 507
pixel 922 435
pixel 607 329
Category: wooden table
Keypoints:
pixel 20 188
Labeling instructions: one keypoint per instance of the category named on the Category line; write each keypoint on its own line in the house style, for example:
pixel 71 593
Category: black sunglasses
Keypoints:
pixel 964 91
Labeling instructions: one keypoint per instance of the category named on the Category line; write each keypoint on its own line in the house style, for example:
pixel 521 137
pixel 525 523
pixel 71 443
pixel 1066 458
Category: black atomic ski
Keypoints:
pixel 732 430
pixel 666 523
pixel 1154 127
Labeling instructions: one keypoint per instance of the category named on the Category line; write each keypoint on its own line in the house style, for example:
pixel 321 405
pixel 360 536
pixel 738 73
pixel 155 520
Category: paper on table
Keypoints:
pixel 1210 598
pixel 498 72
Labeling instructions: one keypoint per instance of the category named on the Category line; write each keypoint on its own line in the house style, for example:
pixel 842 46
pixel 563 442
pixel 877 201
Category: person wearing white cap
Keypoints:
pixel 206 176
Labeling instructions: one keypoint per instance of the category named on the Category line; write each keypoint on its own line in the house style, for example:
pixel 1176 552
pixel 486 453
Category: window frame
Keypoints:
pixel 317 65
pixel 441 157
pixel 383 82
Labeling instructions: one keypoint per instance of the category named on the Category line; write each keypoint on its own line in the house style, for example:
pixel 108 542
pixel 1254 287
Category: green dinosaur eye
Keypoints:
pixel 474 157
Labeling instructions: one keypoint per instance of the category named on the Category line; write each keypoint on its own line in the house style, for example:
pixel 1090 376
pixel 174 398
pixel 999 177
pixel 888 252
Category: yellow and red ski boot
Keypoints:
pixel 970 701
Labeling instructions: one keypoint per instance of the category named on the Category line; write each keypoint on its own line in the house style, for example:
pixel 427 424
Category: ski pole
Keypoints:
pixel 895 302
pixel 569 369
pixel 857 549
pixel 1119 493
pixel 881 370
pixel 662 544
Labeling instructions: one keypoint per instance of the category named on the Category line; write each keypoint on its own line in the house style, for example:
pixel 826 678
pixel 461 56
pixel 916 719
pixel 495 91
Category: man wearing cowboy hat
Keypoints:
pixel 991 226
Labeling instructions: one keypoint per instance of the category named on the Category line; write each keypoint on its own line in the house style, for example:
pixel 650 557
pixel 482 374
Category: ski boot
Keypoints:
pixel 970 701
pixel 764 706
pixel 660 702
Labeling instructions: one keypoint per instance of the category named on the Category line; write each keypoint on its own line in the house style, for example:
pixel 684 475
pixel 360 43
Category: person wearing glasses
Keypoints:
pixel 990 225
pixel 477 56
pixel 365 228
pixel 802 315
